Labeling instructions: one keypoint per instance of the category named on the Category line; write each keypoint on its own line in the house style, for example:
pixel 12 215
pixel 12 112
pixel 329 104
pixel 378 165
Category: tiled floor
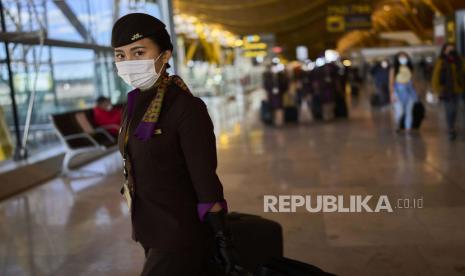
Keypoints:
pixel 81 227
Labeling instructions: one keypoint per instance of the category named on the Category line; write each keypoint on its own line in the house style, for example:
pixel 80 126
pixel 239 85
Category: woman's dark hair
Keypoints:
pixel 102 99
pixel 443 49
pixel 397 63
pixel 163 40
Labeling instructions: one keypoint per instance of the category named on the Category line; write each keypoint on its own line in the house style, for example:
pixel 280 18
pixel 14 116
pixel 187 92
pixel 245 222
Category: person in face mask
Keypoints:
pixel 402 92
pixel 448 81
pixel 380 73
pixel 167 142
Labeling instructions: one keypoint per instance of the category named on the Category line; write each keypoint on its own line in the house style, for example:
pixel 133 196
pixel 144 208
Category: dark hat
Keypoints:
pixel 136 26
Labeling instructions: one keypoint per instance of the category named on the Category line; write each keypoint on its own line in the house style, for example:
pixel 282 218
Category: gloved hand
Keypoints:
pixel 224 250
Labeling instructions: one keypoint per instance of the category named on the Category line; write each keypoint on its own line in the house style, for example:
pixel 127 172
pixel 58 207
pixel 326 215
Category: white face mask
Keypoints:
pixel 139 73
pixel 384 64
pixel 403 60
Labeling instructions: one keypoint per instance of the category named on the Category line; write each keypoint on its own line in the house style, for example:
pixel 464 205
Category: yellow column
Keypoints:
pixel 6 146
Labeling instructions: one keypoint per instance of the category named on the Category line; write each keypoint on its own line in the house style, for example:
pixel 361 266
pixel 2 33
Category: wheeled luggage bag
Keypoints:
pixel 316 106
pixel 340 108
pixel 418 113
pixel 291 114
pixel 256 240
pixel 287 267
pixel 375 100
pixel 266 113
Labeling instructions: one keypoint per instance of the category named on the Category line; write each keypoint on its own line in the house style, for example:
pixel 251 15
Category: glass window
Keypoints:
pixel 64 78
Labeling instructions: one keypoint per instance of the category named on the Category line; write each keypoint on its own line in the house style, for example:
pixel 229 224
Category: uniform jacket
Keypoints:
pixel 173 171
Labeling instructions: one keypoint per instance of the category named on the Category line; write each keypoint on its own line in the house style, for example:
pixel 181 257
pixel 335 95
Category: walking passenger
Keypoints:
pixel 448 82
pixel 403 95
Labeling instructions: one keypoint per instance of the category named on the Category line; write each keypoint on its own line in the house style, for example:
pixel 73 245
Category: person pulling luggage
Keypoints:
pixel 167 142
pixel 403 95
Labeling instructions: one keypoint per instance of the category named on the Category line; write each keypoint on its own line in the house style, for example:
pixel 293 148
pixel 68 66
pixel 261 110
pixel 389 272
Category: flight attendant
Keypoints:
pixel 169 147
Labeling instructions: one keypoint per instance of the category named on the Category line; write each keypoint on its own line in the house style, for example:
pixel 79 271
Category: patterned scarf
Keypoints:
pixel 148 125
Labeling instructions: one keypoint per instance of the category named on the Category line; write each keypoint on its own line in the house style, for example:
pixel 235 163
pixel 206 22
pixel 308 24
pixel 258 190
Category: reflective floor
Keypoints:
pixel 81 226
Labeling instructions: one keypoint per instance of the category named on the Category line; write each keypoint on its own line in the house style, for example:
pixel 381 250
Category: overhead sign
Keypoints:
pixel 342 18
pixel 254 46
pixel 335 23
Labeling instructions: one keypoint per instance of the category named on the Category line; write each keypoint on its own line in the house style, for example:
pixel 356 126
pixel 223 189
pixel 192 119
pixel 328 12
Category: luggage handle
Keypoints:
pixel 240 271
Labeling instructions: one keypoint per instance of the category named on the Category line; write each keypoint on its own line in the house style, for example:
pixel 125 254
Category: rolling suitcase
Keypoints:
pixel 316 106
pixel 287 267
pixel 255 239
pixel 375 100
pixel 418 113
pixel 340 108
pixel 266 113
pixel 355 91
pixel 291 114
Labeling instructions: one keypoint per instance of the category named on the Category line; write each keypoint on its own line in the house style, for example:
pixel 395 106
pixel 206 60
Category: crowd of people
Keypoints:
pixel 320 90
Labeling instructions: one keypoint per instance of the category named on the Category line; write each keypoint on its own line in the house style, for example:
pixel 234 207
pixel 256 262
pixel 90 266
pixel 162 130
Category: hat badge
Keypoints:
pixel 136 36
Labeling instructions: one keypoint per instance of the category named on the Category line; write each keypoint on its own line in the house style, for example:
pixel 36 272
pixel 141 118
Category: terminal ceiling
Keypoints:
pixel 303 22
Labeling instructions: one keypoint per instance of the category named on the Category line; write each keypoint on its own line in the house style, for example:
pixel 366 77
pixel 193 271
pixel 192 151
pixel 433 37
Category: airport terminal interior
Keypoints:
pixel 354 106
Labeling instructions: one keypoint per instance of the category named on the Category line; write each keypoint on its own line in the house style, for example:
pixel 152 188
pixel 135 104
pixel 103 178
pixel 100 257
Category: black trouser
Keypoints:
pixel 450 107
pixel 188 262
pixel 451 113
